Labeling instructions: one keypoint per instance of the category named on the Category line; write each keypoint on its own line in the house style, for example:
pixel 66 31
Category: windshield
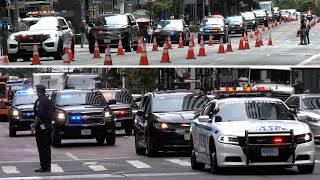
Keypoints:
pixel 25 99
pixel 256 109
pixel 235 19
pixel 118 95
pixel 311 102
pixel 83 82
pixel 260 13
pixel 266 6
pixel 212 21
pixel 175 25
pixel 46 23
pixel 2 91
pixel 81 98
pixel 112 20
pixel 248 16
pixel 270 76
pixel 178 103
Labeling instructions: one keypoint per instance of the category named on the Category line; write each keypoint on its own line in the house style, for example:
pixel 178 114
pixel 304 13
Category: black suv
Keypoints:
pixel 251 20
pixel 21 112
pixel 172 28
pixel 237 25
pixel 108 29
pixel 216 25
pixel 164 118
pixel 262 17
pixel 82 114
pixel 123 107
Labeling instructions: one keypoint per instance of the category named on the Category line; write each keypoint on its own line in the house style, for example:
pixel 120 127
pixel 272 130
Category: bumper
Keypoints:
pixel 77 132
pixel 174 38
pixel 236 30
pixel 46 48
pixel 225 151
pixel 21 124
pixel 124 123
pixel 215 36
pixel 171 139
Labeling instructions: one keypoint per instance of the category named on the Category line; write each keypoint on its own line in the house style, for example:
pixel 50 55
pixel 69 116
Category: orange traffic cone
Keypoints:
pixel 181 45
pixel 120 48
pixel 190 54
pixel 210 40
pixel 246 45
pixel 202 51
pixel 107 57
pixel 251 35
pixel 257 42
pixel 35 56
pixel 261 41
pixel 144 57
pixel 270 41
pixel 139 48
pixel 241 47
pixel 245 37
pixel 165 55
pixel 169 42
pixel 229 46
pixel 68 53
pixel 96 53
pixel 221 47
pixel 5 60
pixel 155 45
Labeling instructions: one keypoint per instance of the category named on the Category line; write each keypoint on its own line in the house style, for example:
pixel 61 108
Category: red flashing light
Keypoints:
pixel 260 88
pixel 278 140
pixel 223 89
pixel 23 37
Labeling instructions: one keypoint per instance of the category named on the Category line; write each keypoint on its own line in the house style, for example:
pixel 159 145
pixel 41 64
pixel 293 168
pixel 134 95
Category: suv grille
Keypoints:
pixel 27 115
pixel 86 118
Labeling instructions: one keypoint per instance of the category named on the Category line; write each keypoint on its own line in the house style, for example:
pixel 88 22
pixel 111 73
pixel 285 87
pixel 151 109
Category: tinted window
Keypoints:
pixel 80 98
pixel 270 76
pixel 259 110
pixel 235 19
pixel 311 102
pixel 24 99
pixel 248 15
pixel 83 81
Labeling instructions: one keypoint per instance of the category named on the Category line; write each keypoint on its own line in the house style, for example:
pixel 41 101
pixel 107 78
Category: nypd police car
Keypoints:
pixel 250 131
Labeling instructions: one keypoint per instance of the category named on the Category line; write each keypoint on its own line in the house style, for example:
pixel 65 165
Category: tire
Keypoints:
pixel 214 168
pixel 59 53
pixel 12 58
pixel 128 131
pixel 307 169
pixel 128 45
pixel 150 151
pixel 100 140
pixel 139 150
pixel 12 131
pixel 56 141
pixel 111 139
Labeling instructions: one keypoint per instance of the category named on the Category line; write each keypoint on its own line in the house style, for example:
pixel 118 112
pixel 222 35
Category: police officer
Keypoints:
pixel 43 111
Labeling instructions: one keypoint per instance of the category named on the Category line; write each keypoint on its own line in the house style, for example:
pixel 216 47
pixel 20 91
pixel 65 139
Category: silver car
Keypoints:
pixel 308 110
pixel 51 34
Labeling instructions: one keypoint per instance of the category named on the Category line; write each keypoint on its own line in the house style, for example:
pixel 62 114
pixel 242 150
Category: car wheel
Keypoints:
pixel 12 131
pixel 111 139
pixel 139 150
pixel 100 140
pixel 56 141
pixel 12 58
pixel 150 150
pixel 128 45
pixel 307 169
pixel 128 131
pixel 214 168
pixel 59 53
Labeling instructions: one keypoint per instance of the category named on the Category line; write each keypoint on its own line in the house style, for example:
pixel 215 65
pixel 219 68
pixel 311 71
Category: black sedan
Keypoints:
pixel 172 28
pixel 164 119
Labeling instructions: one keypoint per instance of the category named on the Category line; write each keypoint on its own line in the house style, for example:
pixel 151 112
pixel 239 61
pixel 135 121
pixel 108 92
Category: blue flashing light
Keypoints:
pixel 207 30
pixel 171 33
pixel 28 91
pixel 29 114
pixel 76 117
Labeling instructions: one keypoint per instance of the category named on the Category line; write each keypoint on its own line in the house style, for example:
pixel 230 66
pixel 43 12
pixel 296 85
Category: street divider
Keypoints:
pixel 190 54
pixel 229 46
pixel 221 47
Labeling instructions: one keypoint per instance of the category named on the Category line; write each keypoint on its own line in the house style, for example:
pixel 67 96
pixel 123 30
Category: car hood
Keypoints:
pixel 82 108
pixel 27 107
pixel 119 106
pixel 175 117
pixel 239 128
pixel 34 32
pixel 277 87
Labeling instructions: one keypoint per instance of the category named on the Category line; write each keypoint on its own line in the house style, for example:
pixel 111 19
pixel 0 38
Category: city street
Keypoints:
pixel 84 159
pixel 285 51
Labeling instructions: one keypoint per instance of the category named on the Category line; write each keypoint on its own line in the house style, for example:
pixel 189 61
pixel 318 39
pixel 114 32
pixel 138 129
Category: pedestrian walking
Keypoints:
pixel 42 128
pixel 303 31
pixel 83 29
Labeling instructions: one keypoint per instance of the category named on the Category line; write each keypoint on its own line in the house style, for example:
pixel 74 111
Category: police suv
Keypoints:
pixel 234 131
pixel 51 34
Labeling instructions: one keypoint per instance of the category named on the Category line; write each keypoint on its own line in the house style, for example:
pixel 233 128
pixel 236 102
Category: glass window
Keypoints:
pixel 24 99
pixel 175 25
pixel 45 23
pixel 118 95
pixel 212 21
pixel 81 98
pixel 235 19
pixel 112 20
pixel 311 102
pixel 248 16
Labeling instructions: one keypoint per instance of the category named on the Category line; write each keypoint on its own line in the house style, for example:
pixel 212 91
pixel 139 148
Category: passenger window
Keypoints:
pixel 290 101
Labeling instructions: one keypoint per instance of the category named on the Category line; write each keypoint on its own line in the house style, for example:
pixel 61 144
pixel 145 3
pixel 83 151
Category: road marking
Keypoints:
pixel 10 169
pixel 180 162
pixel 97 168
pixel 55 168
pixel 308 60
pixel 219 59
pixel 138 164
pixel 72 156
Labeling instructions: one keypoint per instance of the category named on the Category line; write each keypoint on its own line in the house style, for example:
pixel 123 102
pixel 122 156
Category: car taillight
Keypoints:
pixel 278 140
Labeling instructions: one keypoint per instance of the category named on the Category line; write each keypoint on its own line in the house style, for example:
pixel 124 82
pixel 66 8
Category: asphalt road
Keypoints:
pixel 285 51
pixel 84 159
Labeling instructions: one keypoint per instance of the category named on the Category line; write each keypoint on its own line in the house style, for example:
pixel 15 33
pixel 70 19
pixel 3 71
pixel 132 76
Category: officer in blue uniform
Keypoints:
pixel 42 126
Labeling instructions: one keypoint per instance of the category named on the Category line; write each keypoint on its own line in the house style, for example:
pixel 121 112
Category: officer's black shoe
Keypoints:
pixel 42 170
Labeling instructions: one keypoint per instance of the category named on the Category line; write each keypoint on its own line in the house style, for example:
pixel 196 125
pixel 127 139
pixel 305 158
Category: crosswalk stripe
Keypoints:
pixel 138 164
pixel 179 161
pixel 10 169
pixel 55 168
pixel 97 168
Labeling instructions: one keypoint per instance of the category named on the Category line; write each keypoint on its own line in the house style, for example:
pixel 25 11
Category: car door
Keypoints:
pixel 141 123
pixel 134 30
pixel 295 101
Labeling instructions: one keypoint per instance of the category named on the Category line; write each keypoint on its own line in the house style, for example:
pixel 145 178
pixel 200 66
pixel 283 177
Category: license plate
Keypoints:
pixel 27 48
pixel 118 124
pixel 85 132
pixel 187 136
pixel 107 41
pixel 273 151
pixel 233 31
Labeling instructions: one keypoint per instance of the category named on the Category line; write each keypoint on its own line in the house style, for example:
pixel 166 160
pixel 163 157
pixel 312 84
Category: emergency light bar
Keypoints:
pixel 28 91
pixel 243 91
pixel 42 13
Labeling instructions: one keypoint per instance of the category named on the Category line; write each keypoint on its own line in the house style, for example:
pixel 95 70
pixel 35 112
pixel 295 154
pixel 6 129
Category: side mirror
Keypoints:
pixel 293 111
pixel 112 101
pixel 140 113
pixel 64 27
pixel 217 119
pixel 138 99
pixel 133 23
pixel 203 118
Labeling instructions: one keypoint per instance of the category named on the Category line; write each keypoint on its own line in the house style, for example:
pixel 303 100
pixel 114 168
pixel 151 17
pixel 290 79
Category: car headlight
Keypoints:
pixel 201 29
pixel 107 114
pixel 61 116
pixel 221 29
pixel 12 37
pixel 228 139
pixel 303 138
pixel 270 15
pixel 253 22
pixel 15 113
pixel 161 125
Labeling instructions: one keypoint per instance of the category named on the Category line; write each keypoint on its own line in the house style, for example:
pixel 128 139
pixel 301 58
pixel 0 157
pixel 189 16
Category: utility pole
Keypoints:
pixel 16 13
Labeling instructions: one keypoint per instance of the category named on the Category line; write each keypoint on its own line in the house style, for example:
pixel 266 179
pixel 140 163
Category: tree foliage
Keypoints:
pixel 141 80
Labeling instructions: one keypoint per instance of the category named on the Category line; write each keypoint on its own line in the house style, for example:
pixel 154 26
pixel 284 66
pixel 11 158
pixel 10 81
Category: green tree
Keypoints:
pixel 141 80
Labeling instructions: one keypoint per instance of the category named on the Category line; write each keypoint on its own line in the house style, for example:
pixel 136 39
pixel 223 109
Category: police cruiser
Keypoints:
pixel 235 131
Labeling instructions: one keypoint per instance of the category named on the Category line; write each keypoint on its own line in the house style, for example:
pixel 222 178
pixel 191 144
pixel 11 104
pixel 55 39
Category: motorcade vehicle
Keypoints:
pixel 262 17
pixel 251 20
pixel 216 26
pixel 237 25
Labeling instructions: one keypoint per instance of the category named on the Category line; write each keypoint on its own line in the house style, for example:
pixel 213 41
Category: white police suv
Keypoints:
pixel 250 131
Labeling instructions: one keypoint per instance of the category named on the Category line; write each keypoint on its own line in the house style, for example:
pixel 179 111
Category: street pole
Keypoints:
pixel 16 10
pixel 82 10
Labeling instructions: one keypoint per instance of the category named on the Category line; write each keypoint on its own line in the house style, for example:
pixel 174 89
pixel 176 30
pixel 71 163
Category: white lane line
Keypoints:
pixel 10 169
pixel 138 164
pixel 97 168
pixel 180 162
pixel 219 59
pixel 72 156
pixel 308 60
pixel 55 168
